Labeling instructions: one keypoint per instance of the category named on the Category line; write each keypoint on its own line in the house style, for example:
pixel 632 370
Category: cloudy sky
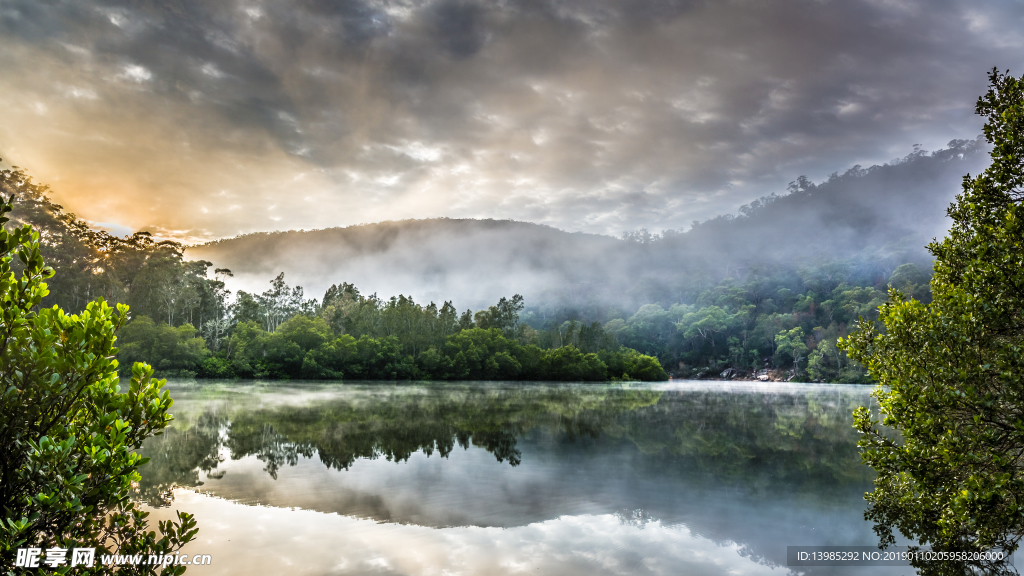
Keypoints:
pixel 200 120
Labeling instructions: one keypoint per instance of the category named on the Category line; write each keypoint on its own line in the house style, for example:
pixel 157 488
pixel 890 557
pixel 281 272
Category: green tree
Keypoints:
pixel 568 363
pixel 68 435
pixel 789 345
pixel 175 351
pixel 640 366
pixel 951 372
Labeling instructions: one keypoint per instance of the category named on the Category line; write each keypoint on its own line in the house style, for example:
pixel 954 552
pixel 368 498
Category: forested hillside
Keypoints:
pixel 187 324
pixel 766 292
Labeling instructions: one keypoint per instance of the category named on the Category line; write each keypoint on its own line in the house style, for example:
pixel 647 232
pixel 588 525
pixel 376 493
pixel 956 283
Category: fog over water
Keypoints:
pixel 687 477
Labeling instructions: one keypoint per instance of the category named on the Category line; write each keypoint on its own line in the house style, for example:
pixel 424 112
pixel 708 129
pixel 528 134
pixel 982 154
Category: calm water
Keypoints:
pixel 512 478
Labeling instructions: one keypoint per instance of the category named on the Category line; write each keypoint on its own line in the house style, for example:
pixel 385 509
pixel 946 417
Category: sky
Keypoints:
pixel 200 120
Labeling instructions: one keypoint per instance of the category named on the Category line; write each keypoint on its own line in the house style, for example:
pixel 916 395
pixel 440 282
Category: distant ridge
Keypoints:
pixel 469 260
pixel 886 213
pixel 381 223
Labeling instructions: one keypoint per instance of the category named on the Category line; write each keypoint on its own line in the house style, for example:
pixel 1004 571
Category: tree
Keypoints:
pixel 218 325
pixel 951 372
pixel 506 315
pixel 68 435
pixel 274 303
pixel 791 343
pixel 64 240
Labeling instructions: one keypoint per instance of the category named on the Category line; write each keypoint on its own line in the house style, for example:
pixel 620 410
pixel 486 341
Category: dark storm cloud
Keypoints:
pixel 457 26
pixel 201 119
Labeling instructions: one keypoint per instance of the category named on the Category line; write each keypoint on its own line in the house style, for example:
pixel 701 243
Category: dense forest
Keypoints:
pixel 774 318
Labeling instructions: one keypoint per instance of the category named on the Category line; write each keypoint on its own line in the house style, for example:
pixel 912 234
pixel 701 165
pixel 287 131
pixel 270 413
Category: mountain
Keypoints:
pixel 473 261
pixel 880 217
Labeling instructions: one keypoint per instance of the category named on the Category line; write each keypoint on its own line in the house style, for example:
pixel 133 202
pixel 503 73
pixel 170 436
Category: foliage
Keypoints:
pixel 951 372
pixel 305 347
pixel 772 320
pixel 504 316
pixel 760 323
pixel 789 345
pixel 179 351
pixel 67 434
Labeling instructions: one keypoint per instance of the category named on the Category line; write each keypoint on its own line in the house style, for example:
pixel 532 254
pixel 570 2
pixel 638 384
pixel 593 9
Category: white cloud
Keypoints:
pixel 135 73
pixel 251 539
pixel 210 69
pixel 418 151
pixel 81 93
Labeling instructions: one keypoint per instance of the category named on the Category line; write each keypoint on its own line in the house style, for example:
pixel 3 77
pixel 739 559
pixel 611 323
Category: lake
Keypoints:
pixel 512 477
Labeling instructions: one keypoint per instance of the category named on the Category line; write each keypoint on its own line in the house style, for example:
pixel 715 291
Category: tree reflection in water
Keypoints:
pixel 757 437
pixel 669 450
pixel 178 456
pixel 393 426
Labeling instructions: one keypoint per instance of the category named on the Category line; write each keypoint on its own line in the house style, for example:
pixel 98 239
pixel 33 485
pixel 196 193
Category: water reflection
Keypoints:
pixel 361 422
pixel 752 469
pixel 178 456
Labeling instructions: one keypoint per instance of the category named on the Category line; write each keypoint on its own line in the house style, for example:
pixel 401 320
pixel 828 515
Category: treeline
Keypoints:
pixel 375 340
pixel 780 323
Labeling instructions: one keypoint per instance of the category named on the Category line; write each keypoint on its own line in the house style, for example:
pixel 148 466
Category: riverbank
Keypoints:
pixel 732 374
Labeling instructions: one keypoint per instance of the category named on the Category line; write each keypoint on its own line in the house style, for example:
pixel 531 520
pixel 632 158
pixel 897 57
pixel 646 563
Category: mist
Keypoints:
pixel 884 214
